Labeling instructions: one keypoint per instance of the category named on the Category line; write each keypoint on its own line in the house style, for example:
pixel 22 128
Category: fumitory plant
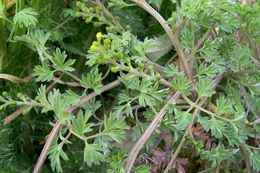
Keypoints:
pixel 129 86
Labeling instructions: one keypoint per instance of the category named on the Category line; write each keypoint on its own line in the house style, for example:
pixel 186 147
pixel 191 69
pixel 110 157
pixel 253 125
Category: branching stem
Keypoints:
pixel 57 127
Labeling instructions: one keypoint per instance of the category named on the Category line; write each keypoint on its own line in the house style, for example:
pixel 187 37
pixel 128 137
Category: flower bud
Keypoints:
pixel 158 76
pixel 106 57
pixel 5 93
pixel 107 41
pixel 99 36
pixel 93 48
pixel 113 69
pixel 141 65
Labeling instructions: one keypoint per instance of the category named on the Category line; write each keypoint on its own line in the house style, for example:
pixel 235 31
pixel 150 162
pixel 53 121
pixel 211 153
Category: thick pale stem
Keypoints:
pixel 173 37
pixel 148 132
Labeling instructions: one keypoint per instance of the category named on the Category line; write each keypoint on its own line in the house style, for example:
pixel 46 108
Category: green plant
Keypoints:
pixel 135 86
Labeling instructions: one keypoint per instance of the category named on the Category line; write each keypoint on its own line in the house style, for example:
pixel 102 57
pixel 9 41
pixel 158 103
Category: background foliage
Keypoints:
pixel 128 88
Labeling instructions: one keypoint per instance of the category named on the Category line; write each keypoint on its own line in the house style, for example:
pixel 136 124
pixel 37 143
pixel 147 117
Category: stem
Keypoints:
pixel 196 47
pixel 73 76
pixel 15 114
pixel 208 112
pixel 72 84
pixel 245 152
pixel 34 104
pixel 217 169
pixel 106 74
pixel 148 132
pixel 173 37
pixel 253 45
pixel 171 59
pixel 54 132
pixel 177 151
pixel 254 148
pixel 202 102
pixel 95 135
pixel 156 66
pixel 3 45
pixel 144 75
pixel 195 113
pixel 207 170
pixel 248 102
pixel 14 26
pixel 203 39
pixel 15 79
pixel 107 12
pixel 93 94
pixel 10 4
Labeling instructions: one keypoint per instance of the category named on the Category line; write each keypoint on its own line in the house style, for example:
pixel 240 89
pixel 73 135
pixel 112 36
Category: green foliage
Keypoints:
pixel 54 54
pixel 59 63
pixel 80 125
pixel 92 154
pixel 182 84
pixel 92 81
pixel 205 88
pixel 114 128
pixel 115 163
pixel 207 71
pixel 43 72
pixel 171 70
pixel 55 155
pixel 118 4
pixel 183 119
pixel 255 160
pixel 26 17
pixel 142 169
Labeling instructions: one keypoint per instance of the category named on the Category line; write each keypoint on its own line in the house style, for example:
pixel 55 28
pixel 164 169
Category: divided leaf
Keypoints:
pixel 55 154
pixel 217 127
pixel 183 119
pixel 255 161
pixel 43 72
pixel 224 105
pixel 115 128
pixel 182 84
pixel 80 125
pixel 93 154
pixel 171 70
pixel 59 63
pixel 60 106
pixel 26 17
pixel 205 88
pixel 92 81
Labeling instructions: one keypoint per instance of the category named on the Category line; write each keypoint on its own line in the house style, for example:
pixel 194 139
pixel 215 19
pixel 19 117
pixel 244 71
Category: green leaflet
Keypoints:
pixel 59 63
pixel 182 84
pixel 56 153
pixel 80 125
pixel 205 88
pixel 183 119
pixel 172 70
pixel 26 17
pixel 114 128
pixel 92 81
pixel 115 163
pixel 255 161
pixel 43 73
pixel 118 4
pixel 93 154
